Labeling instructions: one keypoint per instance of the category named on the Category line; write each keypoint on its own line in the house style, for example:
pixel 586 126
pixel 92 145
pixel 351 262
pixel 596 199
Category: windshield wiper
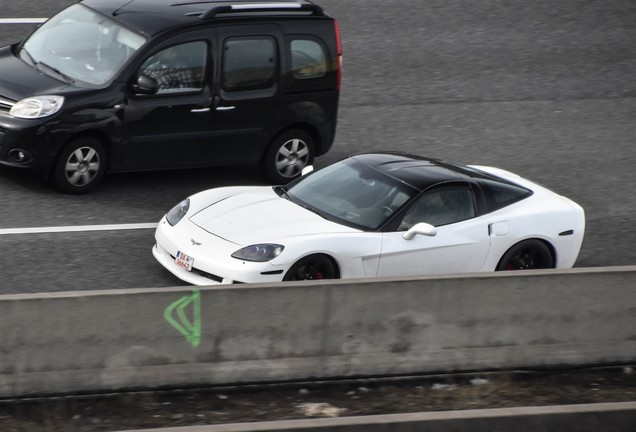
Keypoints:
pixel 313 210
pixel 281 191
pixel 65 77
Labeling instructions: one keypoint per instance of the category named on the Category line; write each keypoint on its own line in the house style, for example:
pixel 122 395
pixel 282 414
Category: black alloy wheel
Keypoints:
pixel 527 255
pixel 313 267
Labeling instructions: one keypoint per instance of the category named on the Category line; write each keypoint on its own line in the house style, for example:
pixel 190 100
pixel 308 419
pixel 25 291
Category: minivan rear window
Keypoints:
pixel 249 63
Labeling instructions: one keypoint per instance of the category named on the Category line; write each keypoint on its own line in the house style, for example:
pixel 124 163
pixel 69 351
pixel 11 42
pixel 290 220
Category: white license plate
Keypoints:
pixel 184 261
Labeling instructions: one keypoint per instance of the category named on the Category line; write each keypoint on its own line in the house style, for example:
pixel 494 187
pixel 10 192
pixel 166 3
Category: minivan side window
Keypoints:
pixel 308 59
pixel 179 68
pixel 249 63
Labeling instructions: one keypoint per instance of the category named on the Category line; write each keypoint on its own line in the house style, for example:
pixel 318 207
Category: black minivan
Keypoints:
pixel 130 85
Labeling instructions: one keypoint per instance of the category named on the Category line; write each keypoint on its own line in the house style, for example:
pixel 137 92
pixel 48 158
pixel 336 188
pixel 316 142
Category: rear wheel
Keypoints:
pixel 527 255
pixel 80 165
pixel 311 268
pixel 288 154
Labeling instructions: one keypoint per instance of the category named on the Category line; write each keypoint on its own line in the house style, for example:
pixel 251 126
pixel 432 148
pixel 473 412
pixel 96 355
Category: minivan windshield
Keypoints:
pixel 79 44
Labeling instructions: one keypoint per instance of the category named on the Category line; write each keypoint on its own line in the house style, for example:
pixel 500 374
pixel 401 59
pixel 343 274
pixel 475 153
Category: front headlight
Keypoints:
pixel 37 106
pixel 259 252
pixel 177 212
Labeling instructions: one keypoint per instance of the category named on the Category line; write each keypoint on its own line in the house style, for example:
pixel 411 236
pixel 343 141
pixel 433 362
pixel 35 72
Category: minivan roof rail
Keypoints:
pixel 290 7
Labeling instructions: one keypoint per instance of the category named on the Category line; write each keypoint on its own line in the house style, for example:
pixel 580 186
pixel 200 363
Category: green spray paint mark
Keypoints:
pixel 190 329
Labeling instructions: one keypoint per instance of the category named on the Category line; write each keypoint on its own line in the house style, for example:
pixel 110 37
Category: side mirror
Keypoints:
pixel 420 228
pixel 145 85
pixel 307 170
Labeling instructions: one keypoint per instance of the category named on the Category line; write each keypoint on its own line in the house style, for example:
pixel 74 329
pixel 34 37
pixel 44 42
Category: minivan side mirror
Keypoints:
pixel 420 228
pixel 145 85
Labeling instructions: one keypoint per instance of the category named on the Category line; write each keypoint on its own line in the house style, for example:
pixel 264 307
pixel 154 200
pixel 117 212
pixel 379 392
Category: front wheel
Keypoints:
pixel 288 154
pixel 527 255
pixel 313 267
pixel 80 165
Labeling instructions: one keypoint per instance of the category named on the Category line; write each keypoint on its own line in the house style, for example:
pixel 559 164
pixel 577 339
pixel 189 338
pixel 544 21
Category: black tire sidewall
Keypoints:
pixel 514 250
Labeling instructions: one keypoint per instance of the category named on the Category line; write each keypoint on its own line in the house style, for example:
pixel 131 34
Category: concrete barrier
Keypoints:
pixel 149 338
pixel 614 417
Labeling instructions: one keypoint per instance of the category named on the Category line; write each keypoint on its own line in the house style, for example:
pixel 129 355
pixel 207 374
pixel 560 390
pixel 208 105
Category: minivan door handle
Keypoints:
pixel 217 100
pixel 198 110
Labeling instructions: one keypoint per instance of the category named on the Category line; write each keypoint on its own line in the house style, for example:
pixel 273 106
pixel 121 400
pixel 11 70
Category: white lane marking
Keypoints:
pixel 77 228
pixel 22 20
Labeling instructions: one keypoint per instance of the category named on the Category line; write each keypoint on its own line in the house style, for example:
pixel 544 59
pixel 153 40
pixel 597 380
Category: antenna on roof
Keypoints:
pixel 116 12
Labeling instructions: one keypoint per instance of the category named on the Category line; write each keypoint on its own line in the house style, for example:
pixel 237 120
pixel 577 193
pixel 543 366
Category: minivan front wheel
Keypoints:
pixel 288 154
pixel 80 165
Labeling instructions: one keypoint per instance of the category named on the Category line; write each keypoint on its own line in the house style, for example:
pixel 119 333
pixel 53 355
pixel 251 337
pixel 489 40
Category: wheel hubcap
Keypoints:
pixel 82 166
pixel 292 157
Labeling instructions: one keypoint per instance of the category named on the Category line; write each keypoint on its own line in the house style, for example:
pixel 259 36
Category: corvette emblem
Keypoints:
pixel 195 243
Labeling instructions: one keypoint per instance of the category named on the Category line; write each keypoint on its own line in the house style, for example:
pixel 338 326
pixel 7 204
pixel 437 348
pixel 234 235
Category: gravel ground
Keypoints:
pixel 189 407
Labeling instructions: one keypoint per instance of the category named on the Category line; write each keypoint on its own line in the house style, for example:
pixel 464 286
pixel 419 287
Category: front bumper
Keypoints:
pixel 213 264
pixel 191 277
pixel 26 144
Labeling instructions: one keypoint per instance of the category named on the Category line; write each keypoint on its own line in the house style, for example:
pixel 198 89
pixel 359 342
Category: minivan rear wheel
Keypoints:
pixel 80 165
pixel 288 154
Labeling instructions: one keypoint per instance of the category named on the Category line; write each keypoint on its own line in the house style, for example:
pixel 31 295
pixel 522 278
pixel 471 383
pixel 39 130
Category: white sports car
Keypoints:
pixel 377 214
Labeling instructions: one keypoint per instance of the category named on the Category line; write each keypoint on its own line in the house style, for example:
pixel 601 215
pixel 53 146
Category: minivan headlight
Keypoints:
pixel 37 106
pixel 177 212
pixel 259 252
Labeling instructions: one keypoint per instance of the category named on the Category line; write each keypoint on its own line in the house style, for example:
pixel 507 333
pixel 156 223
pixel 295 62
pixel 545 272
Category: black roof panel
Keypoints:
pixel 417 171
pixel 153 16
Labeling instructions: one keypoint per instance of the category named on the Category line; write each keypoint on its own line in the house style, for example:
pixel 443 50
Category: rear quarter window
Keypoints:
pixel 501 194
pixel 308 59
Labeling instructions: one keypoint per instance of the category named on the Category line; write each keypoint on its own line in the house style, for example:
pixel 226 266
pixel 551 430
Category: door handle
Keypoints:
pixel 225 108
pixel 198 110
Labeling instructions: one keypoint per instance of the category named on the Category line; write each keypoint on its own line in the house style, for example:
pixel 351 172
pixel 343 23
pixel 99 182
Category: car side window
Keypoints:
pixel 249 63
pixel 440 207
pixel 500 194
pixel 308 59
pixel 179 68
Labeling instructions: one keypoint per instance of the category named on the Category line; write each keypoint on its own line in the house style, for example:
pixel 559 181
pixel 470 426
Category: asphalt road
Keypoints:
pixel 543 88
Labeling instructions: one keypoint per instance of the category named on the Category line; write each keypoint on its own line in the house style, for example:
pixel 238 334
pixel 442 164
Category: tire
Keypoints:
pixel 313 267
pixel 80 166
pixel 527 255
pixel 287 155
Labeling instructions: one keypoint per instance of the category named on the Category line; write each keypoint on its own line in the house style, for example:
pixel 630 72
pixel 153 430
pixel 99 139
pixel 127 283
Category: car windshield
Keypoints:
pixel 79 44
pixel 351 193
